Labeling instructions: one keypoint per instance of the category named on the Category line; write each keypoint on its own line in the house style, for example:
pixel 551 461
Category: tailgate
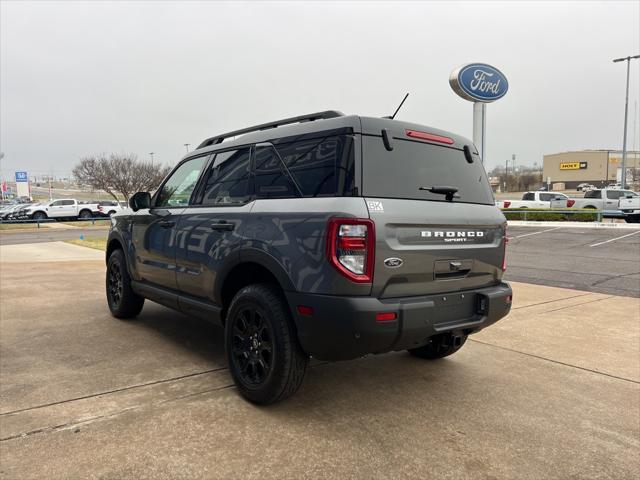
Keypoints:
pixel 426 247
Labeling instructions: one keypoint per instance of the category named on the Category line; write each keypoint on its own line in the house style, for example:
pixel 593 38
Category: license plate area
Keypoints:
pixel 455 307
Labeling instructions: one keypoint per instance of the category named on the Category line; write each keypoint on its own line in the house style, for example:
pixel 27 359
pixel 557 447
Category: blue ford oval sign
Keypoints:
pixel 479 82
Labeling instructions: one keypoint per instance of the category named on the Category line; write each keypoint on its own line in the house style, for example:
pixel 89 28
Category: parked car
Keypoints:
pixel 107 208
pixel 629 205
pixel 538 200
pixel 605 200
pixel 323 235
pixel 8 212
pixel 583 187
pixel 64 208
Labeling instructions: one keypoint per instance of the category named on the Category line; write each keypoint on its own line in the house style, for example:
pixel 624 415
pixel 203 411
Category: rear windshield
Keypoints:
pixel 401 173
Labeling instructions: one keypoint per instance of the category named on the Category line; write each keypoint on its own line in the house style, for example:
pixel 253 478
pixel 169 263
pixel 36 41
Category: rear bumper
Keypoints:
pixel 342 328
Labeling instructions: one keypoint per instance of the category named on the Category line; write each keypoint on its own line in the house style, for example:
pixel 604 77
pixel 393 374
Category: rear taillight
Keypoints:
pixel 350 247
pixel 504 257
pixel 570 203
pixel 506 204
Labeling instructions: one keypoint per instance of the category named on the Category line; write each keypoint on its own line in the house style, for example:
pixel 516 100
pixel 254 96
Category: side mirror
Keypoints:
pixel 140 200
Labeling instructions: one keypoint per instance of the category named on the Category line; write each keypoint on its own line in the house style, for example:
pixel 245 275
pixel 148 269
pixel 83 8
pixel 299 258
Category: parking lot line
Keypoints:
pixel 535 233
pixel 614 239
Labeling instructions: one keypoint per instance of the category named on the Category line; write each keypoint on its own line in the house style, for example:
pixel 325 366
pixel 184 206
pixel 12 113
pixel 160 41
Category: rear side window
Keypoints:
pixel 271 180
pixel 547 197
pixel 411 165
pixel 228 178
pixel 592 194
pixel 528 196
pixel 321 166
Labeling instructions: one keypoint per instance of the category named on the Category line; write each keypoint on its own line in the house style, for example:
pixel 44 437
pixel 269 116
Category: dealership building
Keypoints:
pixel 597 167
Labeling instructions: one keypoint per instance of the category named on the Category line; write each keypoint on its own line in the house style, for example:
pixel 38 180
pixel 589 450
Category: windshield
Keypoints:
pixel 412 168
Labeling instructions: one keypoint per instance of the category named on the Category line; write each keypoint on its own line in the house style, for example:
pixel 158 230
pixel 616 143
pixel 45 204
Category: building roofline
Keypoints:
pixel 591 151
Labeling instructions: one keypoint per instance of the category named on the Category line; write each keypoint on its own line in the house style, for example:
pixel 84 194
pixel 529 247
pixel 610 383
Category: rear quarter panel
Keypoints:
pixel 292 233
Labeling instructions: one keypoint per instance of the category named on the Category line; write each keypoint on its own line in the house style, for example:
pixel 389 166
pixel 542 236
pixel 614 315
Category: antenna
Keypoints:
pixel 399 107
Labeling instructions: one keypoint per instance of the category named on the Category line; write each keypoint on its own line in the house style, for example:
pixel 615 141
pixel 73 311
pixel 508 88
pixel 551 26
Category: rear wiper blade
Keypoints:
pixel 449 192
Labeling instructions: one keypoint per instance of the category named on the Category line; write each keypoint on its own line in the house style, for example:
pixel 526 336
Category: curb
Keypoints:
pixel 522 223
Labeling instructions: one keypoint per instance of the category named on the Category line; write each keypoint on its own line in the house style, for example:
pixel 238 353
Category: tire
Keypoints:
pixel 123 302
pixel 439 346
pixel 39 216
pixel 85 214
pixel 265 359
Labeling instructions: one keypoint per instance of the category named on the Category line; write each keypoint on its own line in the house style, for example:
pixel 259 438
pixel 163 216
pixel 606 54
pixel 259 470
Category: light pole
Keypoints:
pixel 186 145
pixel 151 155
pixel 623 180
pixel 506 174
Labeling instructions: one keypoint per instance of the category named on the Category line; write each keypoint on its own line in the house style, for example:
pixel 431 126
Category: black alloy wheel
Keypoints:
pixel 252 346
pixel 114 284
pixel 265 359
pixel 123 302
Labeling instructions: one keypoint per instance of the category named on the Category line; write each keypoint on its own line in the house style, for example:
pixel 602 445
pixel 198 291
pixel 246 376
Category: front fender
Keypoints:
pixel 124 238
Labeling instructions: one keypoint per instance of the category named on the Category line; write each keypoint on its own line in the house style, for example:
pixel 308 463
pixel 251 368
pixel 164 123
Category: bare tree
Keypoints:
pixel 119 173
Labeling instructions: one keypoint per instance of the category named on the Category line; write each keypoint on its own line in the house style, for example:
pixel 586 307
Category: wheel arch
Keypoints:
pixel 252 267
pixel 115 242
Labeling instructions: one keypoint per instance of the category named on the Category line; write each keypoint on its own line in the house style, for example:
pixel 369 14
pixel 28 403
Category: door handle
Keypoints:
pixel 167 224
pixel 223 225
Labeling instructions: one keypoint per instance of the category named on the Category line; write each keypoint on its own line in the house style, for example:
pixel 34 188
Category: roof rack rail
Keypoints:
pixel 266 126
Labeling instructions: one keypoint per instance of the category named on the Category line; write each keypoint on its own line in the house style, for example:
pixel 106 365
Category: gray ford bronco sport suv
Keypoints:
pixel 323 235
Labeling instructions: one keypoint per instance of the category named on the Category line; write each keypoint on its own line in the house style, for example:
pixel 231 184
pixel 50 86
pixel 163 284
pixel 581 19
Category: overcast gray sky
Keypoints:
pixel 88 77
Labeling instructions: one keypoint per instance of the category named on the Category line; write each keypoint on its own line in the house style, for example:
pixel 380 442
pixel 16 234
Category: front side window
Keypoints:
pixel 57 203
pixel 177 190
pixel 616 194
pixel 228 179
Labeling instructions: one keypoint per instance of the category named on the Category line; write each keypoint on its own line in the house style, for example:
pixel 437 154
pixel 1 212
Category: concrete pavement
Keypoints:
pixel 552 391
pixel 47 252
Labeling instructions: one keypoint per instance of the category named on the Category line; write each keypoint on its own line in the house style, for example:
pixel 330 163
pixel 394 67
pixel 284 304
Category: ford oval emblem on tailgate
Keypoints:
pixel 393 262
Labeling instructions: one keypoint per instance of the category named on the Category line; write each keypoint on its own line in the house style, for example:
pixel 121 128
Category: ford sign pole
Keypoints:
pixel 481 84
pixel 623 179
pixel 479 125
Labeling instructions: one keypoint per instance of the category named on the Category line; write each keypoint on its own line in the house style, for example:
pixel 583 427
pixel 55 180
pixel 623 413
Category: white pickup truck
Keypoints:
pixel 604 199
pixel 538 200
pixel 630 208
pixel 67 208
